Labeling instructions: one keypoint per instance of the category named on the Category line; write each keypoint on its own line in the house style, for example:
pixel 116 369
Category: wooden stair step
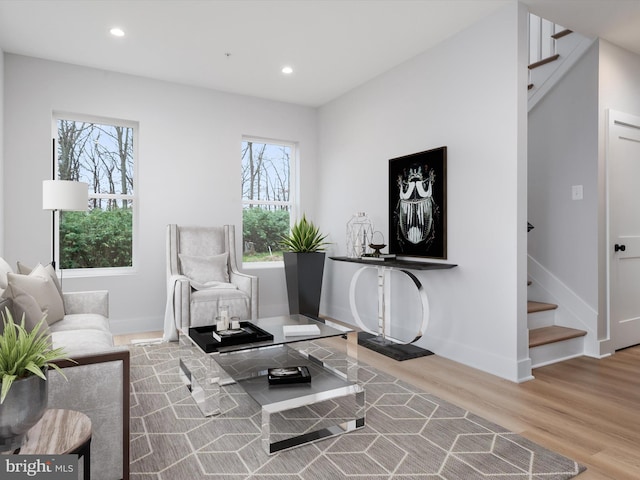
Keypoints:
pixel 546 335
pixel 544 61
pixel 533 307
pixel 561 34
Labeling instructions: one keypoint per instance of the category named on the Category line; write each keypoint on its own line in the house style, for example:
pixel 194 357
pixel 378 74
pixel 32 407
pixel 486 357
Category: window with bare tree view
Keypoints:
pixel 267 198
pixel 102 155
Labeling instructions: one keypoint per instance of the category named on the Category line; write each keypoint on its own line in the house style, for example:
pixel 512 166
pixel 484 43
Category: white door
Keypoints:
pixel 623 163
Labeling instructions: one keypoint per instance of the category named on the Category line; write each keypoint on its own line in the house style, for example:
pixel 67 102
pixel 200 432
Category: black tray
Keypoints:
pixel 288 375
pixel 203 337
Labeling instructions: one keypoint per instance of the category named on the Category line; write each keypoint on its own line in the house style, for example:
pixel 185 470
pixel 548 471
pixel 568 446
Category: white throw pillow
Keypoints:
pixel 23 269
pixel 203 270
pixel 4 269
pixel 26 270
pixel 41 287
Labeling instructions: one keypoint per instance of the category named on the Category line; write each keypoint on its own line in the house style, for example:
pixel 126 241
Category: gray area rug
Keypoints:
pixel 409 434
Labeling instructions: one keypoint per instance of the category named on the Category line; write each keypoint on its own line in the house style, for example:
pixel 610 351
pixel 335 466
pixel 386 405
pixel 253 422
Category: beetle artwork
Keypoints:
pixel 416 207
pixel 417 185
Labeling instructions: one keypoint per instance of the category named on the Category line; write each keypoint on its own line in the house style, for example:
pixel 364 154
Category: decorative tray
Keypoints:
pixel 206 339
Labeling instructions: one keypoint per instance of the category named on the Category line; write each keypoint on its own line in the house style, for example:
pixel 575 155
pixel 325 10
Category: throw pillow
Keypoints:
pixel 4 269
pixel 25 304
pixel 203 270
pixel 23 269
pixel 40 286
pixel 26 270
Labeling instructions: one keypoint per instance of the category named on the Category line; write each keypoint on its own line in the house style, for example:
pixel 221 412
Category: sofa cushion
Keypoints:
pixel 205 304
pixel 82 342
pixel 82 321
pixel 202 270
pixel 40 286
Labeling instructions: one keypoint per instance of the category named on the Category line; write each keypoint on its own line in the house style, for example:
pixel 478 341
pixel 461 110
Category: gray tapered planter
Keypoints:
pixel 23 407
pixel 304 273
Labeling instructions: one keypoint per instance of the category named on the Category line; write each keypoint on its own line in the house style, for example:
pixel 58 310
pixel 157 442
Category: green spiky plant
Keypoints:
pixel 24 353
pixel 304 237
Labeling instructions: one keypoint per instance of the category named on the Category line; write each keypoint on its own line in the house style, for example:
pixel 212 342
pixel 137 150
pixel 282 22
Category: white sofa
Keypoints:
pixel 97 381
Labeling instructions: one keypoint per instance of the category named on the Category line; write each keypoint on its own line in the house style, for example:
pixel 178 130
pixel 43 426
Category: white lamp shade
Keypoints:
pixel 64 195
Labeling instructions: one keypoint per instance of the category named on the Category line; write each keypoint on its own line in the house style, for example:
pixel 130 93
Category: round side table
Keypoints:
pixel 61 432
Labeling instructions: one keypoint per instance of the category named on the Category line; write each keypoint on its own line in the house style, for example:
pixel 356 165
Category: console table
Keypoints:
pixel 384 269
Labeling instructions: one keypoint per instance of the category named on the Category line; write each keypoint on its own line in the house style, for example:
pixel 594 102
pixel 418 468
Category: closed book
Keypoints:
pixel 300 330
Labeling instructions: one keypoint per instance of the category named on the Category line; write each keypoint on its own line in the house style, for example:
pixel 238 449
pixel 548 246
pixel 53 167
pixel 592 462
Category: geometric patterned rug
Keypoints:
pixel 408 435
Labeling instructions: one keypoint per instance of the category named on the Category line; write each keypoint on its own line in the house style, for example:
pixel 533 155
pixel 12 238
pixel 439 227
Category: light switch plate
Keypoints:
pixel 576 192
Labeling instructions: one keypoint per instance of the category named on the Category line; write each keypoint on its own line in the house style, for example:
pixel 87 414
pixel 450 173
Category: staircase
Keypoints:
pixel 550 343
pixel 553 50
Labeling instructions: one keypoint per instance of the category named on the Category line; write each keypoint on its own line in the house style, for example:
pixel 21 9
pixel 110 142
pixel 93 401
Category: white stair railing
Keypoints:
pixel 541 43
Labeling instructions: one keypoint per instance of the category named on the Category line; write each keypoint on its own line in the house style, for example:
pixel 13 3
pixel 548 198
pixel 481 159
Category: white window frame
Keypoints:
pixel 105 271
pixel 293 202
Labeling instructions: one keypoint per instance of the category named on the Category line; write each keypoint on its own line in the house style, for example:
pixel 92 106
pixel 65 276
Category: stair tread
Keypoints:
pixel 533 307
pixel 552 334
pixel 561 34
pixel 544 61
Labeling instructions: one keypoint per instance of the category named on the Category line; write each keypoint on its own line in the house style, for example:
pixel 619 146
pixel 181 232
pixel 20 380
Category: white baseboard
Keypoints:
pixel 471 356
pixel 122 326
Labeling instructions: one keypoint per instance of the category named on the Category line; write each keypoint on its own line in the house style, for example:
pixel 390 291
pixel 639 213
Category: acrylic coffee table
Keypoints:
pixel 331 404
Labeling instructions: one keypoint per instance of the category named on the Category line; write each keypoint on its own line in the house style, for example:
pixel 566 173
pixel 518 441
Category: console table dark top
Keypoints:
pixel 406 264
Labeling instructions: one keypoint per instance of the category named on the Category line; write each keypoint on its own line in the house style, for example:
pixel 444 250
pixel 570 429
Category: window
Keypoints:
pixel 100 153
pixel 267 197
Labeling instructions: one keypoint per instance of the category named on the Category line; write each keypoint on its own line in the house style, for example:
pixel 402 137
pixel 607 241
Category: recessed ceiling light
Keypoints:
pixel 287 70
pixel 117 32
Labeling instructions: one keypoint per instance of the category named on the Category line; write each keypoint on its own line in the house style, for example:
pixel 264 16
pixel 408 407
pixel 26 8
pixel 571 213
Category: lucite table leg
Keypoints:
pixel 201 374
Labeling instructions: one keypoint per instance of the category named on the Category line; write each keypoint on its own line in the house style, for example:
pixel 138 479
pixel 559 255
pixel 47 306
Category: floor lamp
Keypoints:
pixel 59 195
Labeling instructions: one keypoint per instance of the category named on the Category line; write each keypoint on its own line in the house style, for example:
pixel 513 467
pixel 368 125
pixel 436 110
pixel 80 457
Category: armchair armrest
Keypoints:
pixel 98 386
pixel 87 302
pixel 249 285
pixel 181 296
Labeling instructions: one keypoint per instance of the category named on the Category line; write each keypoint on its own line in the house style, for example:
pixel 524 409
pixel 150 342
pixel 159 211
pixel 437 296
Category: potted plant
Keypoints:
pixel 304 266
pixel 24 359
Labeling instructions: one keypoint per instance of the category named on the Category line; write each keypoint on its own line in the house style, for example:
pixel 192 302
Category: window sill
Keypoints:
pixel 262 265
pixel 96 272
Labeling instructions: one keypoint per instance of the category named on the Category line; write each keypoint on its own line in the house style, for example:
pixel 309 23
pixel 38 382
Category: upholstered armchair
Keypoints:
pixel 202 275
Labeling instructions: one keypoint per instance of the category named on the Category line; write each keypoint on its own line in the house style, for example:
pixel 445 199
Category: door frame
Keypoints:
pixel 613 117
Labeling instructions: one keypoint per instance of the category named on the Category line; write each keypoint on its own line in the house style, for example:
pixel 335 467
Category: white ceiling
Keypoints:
pixel 333 45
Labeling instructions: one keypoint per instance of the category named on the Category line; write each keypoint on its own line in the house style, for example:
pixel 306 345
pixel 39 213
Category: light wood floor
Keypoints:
pixel 586 409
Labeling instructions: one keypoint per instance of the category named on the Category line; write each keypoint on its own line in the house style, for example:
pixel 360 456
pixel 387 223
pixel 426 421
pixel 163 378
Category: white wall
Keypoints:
pixel 188 168
pixel 619 89
pixel 2 182
pixel 563 152
pixel 468 93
